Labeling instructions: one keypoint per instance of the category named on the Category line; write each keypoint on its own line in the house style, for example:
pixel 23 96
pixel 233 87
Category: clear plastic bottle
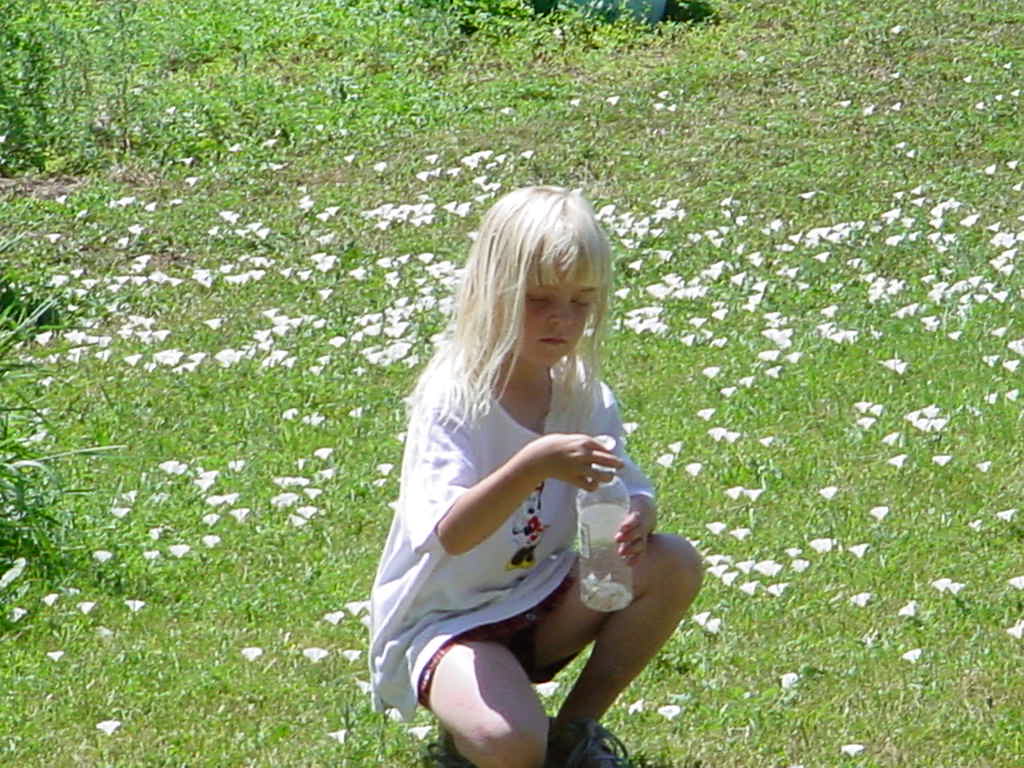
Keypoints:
pixel 606 579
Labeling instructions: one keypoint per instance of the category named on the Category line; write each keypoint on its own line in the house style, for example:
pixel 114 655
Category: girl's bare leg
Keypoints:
pixel 481 695
pixel 666 580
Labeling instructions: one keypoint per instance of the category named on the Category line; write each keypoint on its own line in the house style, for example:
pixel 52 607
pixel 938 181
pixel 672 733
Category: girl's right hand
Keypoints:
pixel 571 459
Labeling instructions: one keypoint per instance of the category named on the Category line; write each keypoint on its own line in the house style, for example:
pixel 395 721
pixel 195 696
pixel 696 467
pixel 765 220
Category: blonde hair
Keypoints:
pixel 538 235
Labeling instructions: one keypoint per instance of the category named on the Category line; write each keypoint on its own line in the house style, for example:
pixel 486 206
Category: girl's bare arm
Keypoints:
pixel 482 509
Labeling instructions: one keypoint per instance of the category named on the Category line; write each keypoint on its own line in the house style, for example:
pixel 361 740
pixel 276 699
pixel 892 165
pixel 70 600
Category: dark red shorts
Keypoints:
pixel 515 633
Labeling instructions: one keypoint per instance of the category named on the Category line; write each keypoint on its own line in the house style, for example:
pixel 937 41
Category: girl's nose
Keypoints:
pixel 560 311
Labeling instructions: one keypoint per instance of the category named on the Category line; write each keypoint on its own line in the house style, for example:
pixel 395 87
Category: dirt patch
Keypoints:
pixel 39 188
pixel 135 178
pixel 52 187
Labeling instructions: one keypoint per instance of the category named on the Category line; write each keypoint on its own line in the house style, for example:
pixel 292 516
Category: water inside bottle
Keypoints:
pixel 601 522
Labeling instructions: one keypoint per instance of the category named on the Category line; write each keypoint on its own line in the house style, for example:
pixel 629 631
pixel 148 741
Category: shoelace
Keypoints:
pixel 597 747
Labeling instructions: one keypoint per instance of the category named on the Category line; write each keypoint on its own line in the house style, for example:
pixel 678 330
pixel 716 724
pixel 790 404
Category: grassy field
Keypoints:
pixel 250 215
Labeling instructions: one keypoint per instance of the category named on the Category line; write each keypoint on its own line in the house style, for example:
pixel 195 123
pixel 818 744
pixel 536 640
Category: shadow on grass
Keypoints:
pixel 18 307
pixel 641 761
pixel 690 12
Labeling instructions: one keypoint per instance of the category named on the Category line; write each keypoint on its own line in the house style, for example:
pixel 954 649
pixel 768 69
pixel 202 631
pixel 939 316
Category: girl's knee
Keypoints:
pixel 482 697
pixel 501 744
pixel 674 566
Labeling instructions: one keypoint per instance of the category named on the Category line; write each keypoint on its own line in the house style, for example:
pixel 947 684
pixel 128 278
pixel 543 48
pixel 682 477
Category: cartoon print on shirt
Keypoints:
pixel 527 530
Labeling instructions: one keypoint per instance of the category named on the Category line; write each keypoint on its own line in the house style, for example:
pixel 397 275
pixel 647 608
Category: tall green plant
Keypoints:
pixel 30 526
pixel 26 73
pixel 34 522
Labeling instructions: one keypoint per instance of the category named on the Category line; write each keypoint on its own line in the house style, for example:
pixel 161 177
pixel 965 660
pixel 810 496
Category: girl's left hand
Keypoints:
pixel 635 529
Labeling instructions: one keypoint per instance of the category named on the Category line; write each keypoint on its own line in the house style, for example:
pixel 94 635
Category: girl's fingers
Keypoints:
pixel 605 459
pixel 630 543
pixel 629 525
pixel 598 454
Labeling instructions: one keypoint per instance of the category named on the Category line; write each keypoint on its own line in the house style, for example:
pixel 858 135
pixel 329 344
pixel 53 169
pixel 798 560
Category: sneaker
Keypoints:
pixel 587 744
pixel 443 754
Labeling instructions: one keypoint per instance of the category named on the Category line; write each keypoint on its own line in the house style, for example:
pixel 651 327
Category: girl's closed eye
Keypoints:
pixel 575 295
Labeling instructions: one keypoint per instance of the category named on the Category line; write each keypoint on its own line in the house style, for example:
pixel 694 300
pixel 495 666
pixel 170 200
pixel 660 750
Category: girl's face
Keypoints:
pixel 554 319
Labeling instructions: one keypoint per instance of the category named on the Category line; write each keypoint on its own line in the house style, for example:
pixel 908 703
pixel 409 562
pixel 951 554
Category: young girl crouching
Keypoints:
pixel 476 596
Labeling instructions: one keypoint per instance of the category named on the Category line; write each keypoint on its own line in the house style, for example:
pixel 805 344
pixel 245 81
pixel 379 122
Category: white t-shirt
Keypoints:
pixel 422 596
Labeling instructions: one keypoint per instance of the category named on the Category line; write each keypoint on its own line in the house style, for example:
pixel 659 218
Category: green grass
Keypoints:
pixel 816 149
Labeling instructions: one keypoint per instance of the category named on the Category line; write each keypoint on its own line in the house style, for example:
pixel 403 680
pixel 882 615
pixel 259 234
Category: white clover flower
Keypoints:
pixel 316 654
pixel 909 610
pixel 108 726
pixel 13 573
pixel 789 679
pixel 547 689
pixel 879 512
